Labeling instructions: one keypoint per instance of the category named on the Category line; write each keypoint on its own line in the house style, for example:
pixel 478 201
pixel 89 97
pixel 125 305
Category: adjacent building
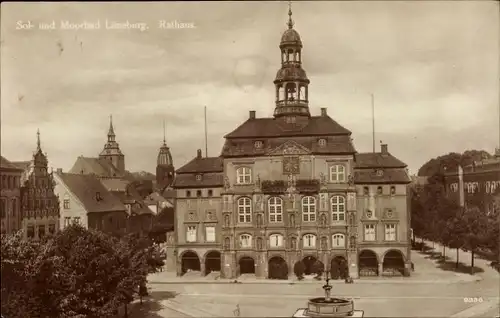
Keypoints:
pixel 39 204
pixel 84 200
pixel 292 188
pixel 481 183
pixel 197 217
pixel 10 196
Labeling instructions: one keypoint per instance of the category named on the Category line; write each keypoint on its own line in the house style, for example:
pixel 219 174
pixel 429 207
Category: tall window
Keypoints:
pixel 243 175
pixel 198 193
pixel 276 240
pixel 210 234
pixel 191 234
pixel 188 194
pixel 338 208
pixel 337 173
pixel 245 240
pixel 390 232
pixel 66 202
pixel 76 220
pixel 369 232
pixel 3 207
pixel 52 228
pixel 309 240
pixel 30 233
pixel 67 221
pixel 338 240
pixel 244 210
pixel 275 205
pixel 308 209
pixel 41 231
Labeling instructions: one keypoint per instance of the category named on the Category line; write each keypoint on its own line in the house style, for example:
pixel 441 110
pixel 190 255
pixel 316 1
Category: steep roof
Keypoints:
pixel 202 164
pixel 137 204
pixel 98 166
pixel 339 144
pixel 208 180
pixel 86 187
pixel 373 176
pixel 23 165
pixel 7 165
pixel 377 160
pixel 270 127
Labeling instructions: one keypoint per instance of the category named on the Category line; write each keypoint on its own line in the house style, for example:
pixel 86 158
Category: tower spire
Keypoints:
pixel 290 21
pixel 111 131
pixel 38 146
pixel 164 134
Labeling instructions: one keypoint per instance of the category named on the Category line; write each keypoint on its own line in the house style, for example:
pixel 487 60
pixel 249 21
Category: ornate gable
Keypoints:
pixel 288 148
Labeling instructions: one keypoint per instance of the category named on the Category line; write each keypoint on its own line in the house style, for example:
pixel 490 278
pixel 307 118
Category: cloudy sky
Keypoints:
pixel 432 66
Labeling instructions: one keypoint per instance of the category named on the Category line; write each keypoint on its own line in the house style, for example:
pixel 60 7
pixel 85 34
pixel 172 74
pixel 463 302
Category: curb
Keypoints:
pixel 270 282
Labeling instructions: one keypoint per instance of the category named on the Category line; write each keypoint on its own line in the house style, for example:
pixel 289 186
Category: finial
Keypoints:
pixel 164 138
pixel 290 21
pixel 38 139
pixel 111 130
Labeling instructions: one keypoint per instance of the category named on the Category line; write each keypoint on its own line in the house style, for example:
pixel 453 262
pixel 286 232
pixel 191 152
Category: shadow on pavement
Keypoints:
pixel 462 268
pixel 446 263
pixel 150 306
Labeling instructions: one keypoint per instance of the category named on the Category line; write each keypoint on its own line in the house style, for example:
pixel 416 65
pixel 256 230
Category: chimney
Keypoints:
pixel 383 148
pixel 252 114
pixel 59 170
pixel 198 154
pixel 323 112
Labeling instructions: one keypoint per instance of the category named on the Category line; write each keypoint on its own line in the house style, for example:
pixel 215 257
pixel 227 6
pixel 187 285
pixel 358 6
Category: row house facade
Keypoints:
pixel 295 189
pixel 10 196
pixel 39 203
pixel 481 183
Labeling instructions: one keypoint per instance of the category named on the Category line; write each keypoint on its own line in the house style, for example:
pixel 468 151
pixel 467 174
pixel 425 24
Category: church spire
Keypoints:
pixel 111 132
pixel 290 21
pixel 38 144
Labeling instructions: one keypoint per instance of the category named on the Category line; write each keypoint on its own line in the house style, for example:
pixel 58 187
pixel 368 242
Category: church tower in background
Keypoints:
pixel 165 171
pixel 112 150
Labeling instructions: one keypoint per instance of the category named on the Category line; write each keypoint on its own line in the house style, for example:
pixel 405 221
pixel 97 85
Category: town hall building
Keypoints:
pixel 291 188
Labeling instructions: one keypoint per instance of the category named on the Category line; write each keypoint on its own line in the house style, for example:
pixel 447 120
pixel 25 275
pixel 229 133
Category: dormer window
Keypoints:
pixel 98 196
pixel 198 177
pixel 322 142
pixel 258 144
pixel 290 119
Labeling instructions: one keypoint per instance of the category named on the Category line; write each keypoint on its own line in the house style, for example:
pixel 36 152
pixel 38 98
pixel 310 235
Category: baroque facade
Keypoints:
pixel 39 204
pixel 292 188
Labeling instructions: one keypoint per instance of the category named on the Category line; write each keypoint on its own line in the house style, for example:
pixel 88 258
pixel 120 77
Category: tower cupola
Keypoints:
pixel 291 81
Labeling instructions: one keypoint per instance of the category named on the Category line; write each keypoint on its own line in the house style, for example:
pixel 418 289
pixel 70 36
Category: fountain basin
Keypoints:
pixel 331 307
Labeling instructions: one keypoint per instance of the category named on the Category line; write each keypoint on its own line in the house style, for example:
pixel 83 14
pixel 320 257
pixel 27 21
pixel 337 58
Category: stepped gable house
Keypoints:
pixel 39 204
pixel 292 188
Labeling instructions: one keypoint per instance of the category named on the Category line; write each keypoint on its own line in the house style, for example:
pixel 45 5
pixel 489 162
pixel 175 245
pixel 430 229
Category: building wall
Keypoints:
pixel 74 212
pixel 109 222
pixel 293 228
pixel 36 223
pixel 10 201
pixel 200 212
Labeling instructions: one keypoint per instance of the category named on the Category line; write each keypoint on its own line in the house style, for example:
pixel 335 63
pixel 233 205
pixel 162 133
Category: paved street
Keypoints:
pixel 430 292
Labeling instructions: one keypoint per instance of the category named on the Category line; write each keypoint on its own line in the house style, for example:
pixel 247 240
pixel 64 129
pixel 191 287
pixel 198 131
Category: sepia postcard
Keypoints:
pixel 250 159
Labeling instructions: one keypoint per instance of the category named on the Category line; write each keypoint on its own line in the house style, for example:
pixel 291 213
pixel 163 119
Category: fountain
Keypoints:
pixel 329 306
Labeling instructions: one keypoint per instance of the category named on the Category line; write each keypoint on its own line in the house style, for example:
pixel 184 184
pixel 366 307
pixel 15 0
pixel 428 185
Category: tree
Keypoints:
pixel 451 161
pixel 476 233
pixel 299 269
pixel 143 291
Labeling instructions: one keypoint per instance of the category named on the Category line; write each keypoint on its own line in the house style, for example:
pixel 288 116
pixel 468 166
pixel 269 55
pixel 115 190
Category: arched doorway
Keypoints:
pixel 368 263
pixel 339 268
pixel 212 262
pixel 190 262
pixel 393 263
pixel 247 265
pixel 278 269
pixel 309 265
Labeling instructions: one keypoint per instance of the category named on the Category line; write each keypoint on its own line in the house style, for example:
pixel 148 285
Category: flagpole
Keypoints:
pixel 206 135
pixel 373 122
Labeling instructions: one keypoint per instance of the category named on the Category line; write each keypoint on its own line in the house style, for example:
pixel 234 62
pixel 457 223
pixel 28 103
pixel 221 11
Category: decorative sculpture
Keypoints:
pixel 227 184
pixel 292 220
pixel 350 180
pixel 226 220
pixel 322 178
pixel 259 220
pixel 323 219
